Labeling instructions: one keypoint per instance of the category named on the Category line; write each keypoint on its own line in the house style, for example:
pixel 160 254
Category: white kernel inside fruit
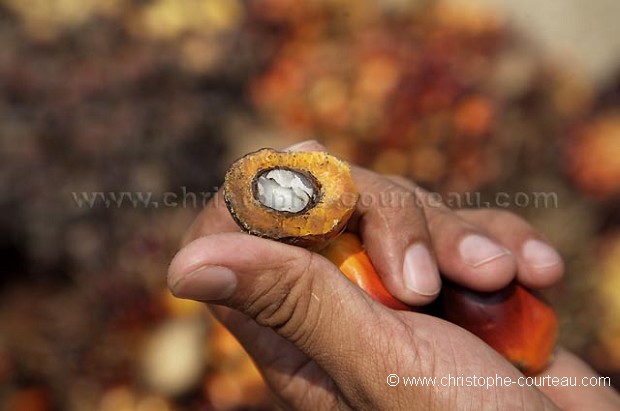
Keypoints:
pixel 284 190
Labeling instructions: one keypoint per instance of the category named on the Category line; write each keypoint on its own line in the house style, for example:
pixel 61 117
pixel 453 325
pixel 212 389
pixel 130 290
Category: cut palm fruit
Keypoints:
pixel 300 198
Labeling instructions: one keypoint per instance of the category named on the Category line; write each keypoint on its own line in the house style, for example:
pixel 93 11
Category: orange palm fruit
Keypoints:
pixel 348 254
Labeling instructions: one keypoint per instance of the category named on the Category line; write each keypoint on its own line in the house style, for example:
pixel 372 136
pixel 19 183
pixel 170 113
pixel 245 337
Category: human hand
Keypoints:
pixel 320 341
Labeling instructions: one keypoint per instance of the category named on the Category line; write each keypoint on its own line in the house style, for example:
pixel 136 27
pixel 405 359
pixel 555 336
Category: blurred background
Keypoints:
pixel 147 97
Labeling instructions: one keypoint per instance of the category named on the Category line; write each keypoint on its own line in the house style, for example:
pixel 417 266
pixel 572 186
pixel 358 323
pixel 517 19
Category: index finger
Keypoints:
pixel 394 230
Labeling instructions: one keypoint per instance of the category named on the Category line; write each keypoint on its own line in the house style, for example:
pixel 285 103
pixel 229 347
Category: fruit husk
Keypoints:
pixel 323 219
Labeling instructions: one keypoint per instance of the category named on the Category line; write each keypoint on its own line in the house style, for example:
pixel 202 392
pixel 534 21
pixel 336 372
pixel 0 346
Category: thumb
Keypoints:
pixel 299 294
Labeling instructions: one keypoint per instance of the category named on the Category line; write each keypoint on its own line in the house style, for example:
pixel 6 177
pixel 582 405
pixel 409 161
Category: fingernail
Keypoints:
pixel 207 283
pixel 540 255
pixel 420 271
pixel 308 145
pixel 477 250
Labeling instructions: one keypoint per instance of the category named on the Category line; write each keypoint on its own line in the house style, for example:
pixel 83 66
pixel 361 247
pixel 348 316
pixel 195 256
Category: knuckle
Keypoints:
pixel 413 343
pixel 497 216
pixel 394 200
pixel 438 217
pixel 385 194
pixel 284 302
pixel 498 213
pixel 403 181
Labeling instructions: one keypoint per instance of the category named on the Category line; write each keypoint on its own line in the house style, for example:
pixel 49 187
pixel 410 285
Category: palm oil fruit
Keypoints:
pixel 515 322
pixel 300 198
pixel 348 254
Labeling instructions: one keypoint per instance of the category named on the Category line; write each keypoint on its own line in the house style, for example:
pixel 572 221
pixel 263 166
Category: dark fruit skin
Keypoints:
pixel 515 322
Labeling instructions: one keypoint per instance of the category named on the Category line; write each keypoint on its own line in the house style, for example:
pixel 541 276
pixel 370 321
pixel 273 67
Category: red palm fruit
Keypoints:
pixel 515 322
